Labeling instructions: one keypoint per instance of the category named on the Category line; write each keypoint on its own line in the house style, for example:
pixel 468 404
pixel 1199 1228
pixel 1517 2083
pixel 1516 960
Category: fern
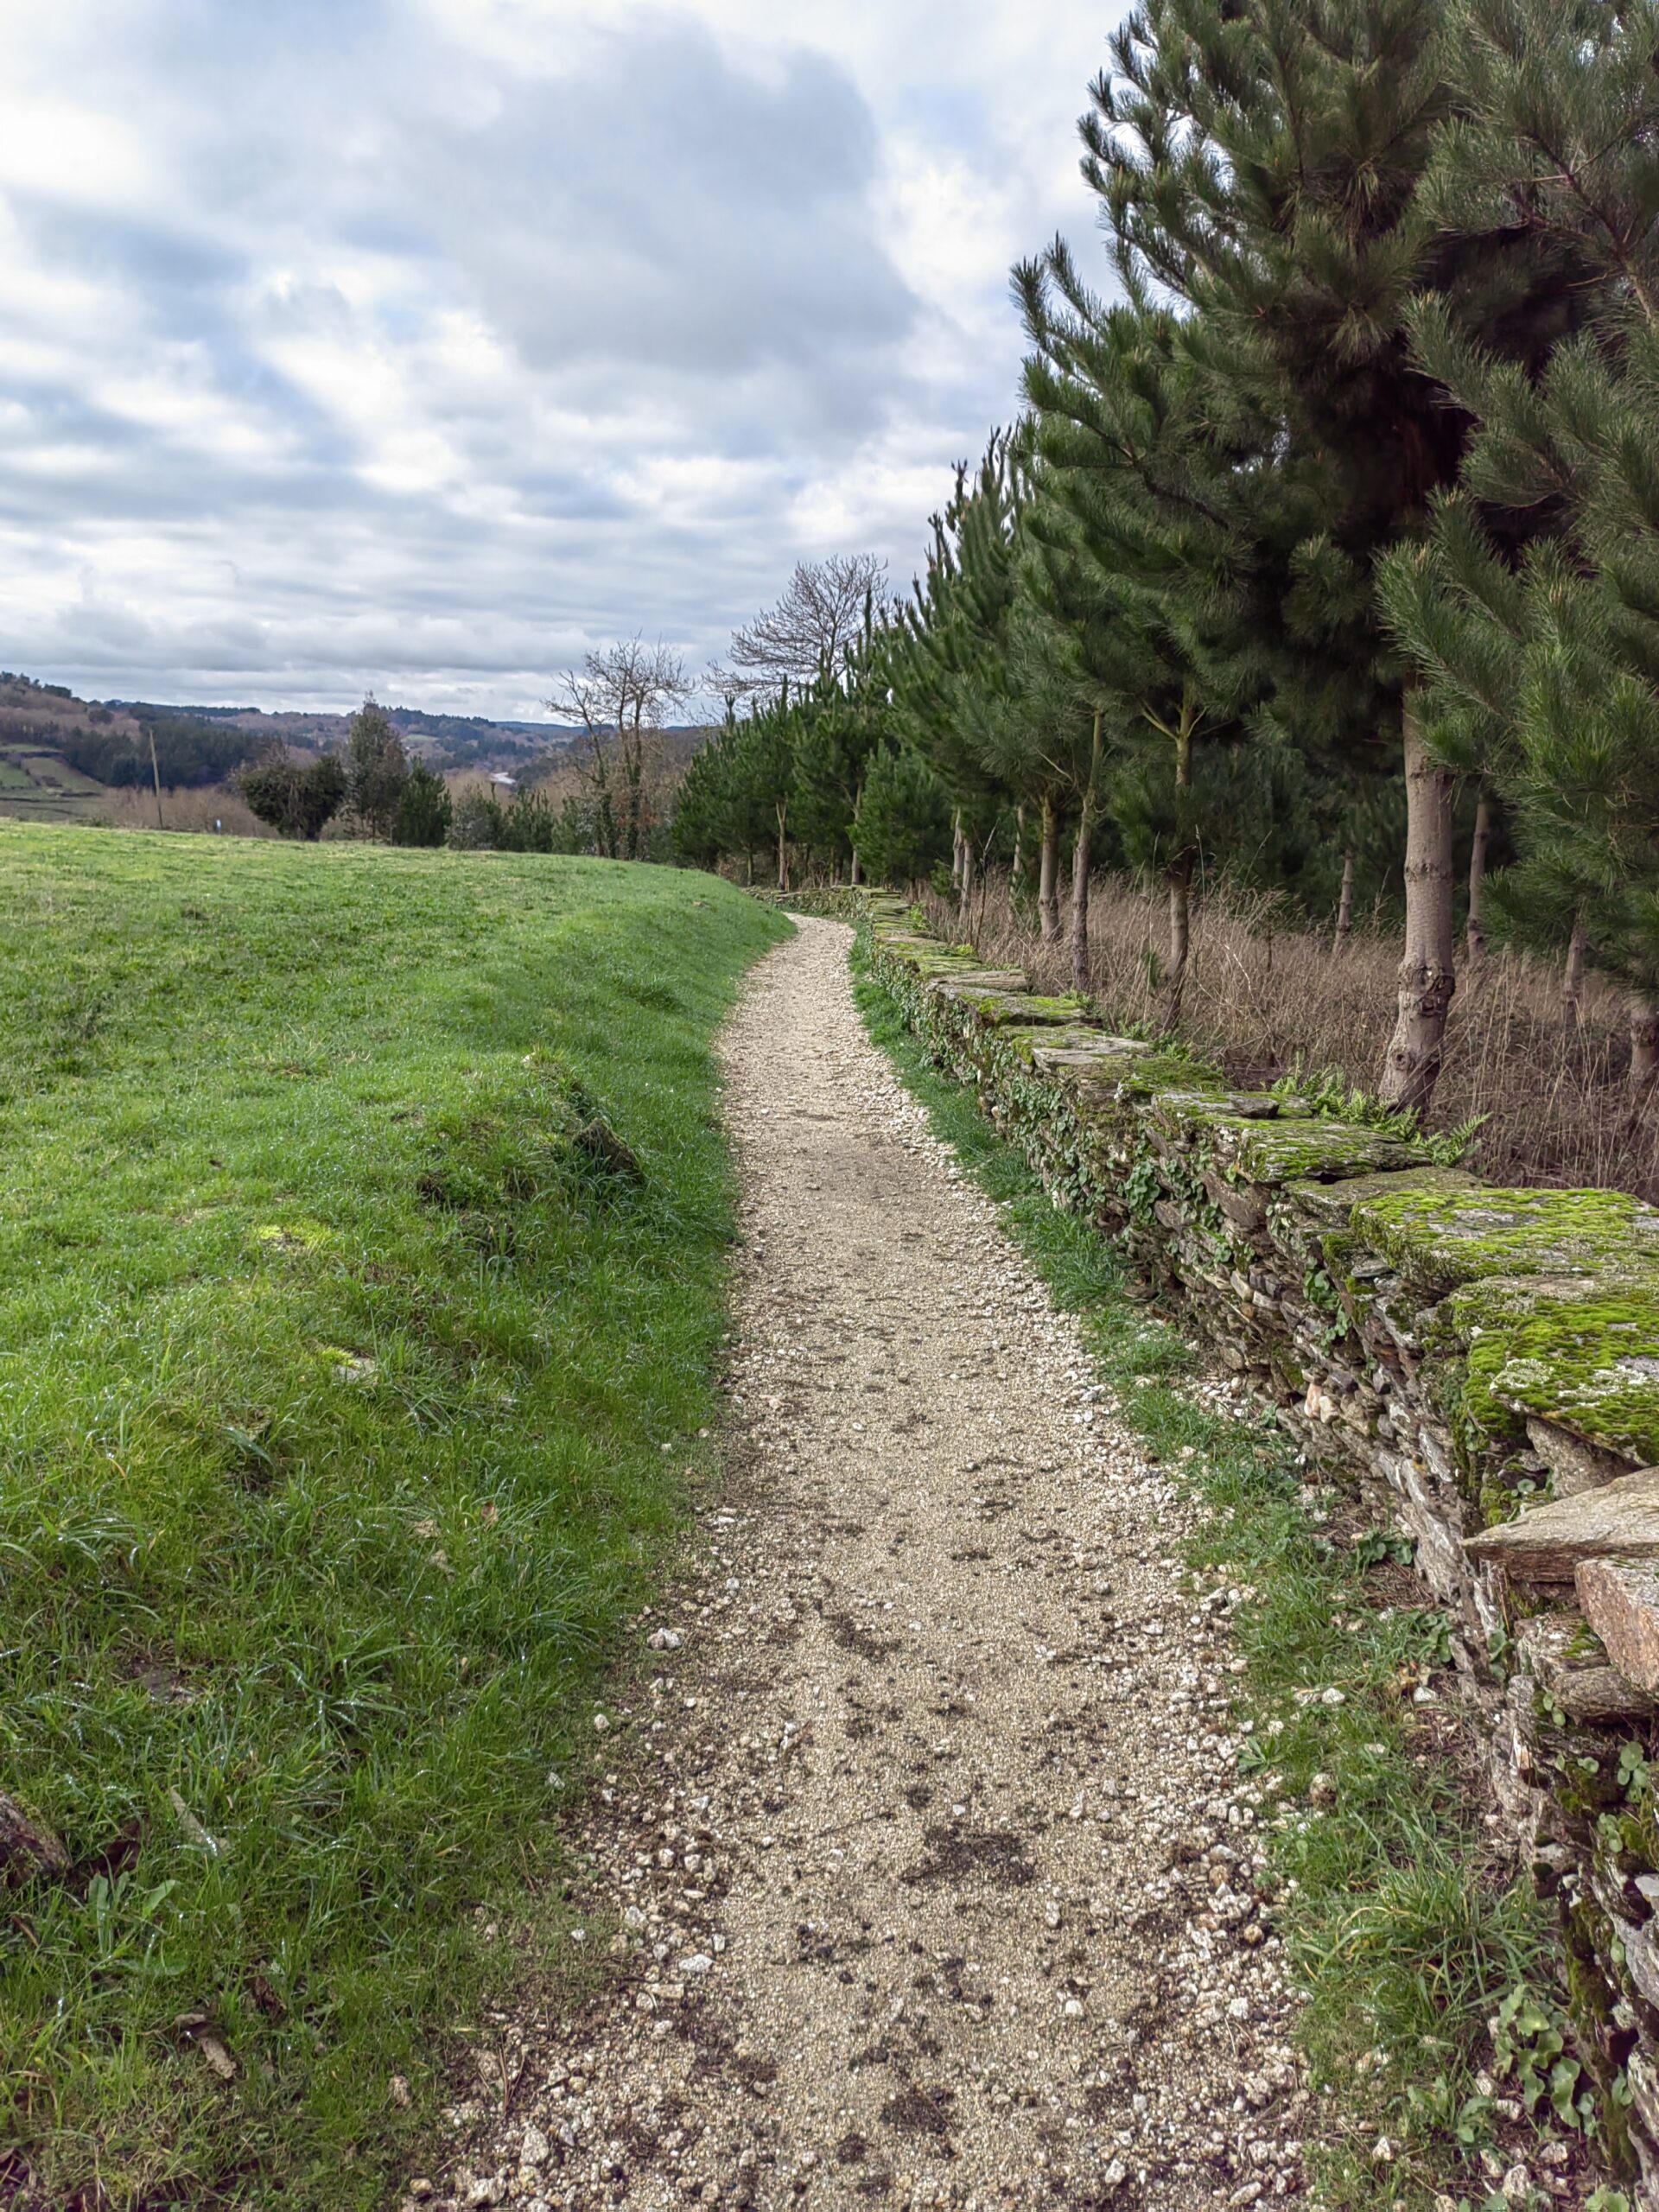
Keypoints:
pixel 1330 1096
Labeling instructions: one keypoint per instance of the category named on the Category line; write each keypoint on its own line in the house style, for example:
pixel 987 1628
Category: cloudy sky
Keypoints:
pixel 416 344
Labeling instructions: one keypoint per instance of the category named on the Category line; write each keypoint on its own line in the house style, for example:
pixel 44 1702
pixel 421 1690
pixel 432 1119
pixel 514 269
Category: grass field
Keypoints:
pixel 340 1343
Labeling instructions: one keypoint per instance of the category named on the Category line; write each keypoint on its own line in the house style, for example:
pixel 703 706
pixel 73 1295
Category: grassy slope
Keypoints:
pixel 1404 1930
pixel 334 1385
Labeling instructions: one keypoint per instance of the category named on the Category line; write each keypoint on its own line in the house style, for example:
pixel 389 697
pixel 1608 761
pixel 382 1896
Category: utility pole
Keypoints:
pixel 155 775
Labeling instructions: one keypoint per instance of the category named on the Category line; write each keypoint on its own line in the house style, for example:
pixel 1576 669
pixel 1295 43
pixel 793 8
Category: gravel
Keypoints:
pixel 931 1875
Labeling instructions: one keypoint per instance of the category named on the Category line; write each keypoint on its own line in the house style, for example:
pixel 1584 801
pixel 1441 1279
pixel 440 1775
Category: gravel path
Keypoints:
pixel 933 1878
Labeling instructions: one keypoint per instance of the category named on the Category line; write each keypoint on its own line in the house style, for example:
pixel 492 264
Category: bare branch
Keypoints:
pixel 815 626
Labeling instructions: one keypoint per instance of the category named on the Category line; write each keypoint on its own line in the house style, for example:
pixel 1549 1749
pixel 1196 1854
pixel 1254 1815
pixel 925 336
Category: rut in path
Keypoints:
pixel 937 1882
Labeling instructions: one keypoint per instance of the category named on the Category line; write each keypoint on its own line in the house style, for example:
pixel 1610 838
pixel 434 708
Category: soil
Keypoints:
pixel 932 1877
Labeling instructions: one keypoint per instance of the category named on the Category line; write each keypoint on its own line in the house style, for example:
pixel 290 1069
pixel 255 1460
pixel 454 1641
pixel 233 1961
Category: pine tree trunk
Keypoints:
pixel 1644 1047
pixel 857 876
pixel 1015 887
pixel 1180 895
pixel 1080 856
pixel 783 845
pixel 1427 967
pixel 1080 899
pixel 1345 904
pixel 1476 936
pixel 956 843
pixel 1181 930
pixel 1573 974
pixel 1048 874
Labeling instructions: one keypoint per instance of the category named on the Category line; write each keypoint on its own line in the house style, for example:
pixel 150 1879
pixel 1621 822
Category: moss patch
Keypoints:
pixel 1588 1361
pixel 1304 1151
pixel 1440 1240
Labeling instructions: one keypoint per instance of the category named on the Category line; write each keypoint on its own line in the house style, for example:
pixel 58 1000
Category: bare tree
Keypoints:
pixel 815 626
pixel 619 694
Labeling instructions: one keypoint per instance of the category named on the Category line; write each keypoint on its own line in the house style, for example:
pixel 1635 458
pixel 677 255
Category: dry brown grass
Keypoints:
pixel 1264 996
pixel 210 807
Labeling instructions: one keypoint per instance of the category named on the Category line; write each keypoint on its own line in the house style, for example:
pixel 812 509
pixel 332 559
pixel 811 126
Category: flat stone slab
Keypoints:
pixel 1438 1241
pixel 1332 1206
pixel 1308 1151
pixel 1572 1668
pixel 999 1008
pixel 1084 1049
pixel 978 979
pixel 1550 1543
pixel 1620 1597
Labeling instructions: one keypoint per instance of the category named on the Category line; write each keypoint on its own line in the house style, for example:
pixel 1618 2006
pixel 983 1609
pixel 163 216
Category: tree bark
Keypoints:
pixel 1573 974
pixel 964 903
pixel 1080 898
pixel 956 843
pixel 1048 874
pixel 1181 890
pixel 858 868
pixel 783 845
pixel 1015 887
pixel 1181 930
pixel 1427 967
pixel 1080 856
pixel 1345 904
pixel 1475 936
pixel 1644 1047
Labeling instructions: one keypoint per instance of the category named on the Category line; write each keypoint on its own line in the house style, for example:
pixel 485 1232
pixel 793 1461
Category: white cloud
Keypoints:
pixel 419 343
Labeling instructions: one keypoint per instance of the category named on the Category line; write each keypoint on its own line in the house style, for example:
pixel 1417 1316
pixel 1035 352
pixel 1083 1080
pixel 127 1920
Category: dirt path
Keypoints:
pixel 935 1877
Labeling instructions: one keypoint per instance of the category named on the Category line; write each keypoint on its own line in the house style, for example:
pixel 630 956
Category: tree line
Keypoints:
pixel 188 753
pixel 1325 552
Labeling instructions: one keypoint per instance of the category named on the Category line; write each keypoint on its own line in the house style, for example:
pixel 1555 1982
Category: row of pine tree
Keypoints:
pixel 1325 551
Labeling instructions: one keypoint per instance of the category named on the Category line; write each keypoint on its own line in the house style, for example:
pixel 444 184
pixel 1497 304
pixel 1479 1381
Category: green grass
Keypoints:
pixel 338 1353
pixel 1401 1929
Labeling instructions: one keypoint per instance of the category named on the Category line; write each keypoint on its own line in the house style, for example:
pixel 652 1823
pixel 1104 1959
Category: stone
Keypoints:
pixel 1547 1544
pixel 1621 1602
pixel 1575 1464
pixel 1573 1671
pixel 28 1850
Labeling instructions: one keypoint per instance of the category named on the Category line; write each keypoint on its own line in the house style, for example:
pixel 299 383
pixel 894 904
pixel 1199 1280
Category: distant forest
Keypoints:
pixel 188 753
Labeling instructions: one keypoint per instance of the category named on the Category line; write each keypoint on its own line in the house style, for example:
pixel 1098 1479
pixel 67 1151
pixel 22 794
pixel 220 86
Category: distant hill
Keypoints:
pixel 441 740
pixel 64 759
pixel 39 725
pixel 61 757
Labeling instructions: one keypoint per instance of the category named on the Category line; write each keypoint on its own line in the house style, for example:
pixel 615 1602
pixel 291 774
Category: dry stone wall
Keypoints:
pixel 1481 1366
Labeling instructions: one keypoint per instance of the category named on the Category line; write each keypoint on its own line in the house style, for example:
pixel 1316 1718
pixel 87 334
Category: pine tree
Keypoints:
pixel 904 818
pixel 424 809
pixel 948 654
pixel 1151 525
pixel 1533 610
pixel 377 769
pixel 1264 162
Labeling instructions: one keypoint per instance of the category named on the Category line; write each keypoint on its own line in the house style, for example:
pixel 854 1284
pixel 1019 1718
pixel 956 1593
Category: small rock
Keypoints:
pixel 397 2090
